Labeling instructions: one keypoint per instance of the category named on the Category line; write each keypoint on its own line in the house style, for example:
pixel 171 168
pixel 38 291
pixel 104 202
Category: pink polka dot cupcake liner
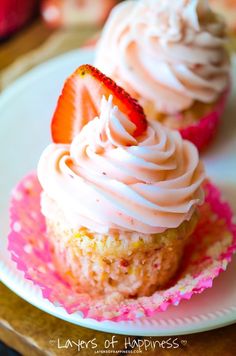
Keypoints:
pixel 208 253
pixel 203 132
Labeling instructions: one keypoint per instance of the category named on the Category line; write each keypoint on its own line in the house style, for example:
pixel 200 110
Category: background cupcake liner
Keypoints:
pixel 202 132
pixel 209 252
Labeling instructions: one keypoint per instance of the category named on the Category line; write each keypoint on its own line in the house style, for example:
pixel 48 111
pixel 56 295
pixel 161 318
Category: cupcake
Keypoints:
pixel 226 8
pixel 120 196
pixel 171 57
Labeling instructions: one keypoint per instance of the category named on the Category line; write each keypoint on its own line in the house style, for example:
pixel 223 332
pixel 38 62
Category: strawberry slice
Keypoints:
pixel 80 103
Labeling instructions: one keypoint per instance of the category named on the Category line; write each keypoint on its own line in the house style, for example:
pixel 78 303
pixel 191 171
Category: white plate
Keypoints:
pixel 25 112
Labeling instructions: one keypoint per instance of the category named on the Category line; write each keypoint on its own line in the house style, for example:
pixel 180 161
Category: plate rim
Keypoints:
pixel 107 326
pixel 45 66
pixel 110 326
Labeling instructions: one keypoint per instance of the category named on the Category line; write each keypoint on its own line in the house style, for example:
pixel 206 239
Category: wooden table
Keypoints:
pixel 22 326
pixel 33 332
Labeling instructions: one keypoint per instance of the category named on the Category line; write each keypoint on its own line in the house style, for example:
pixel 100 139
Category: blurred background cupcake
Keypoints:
pixel 14 14
pixel 172 58
pixel 68 13
pixel 226 8
pixel 33 31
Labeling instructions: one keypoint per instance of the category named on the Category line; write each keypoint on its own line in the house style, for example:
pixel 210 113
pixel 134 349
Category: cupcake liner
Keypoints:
pixel 208 253
pixel 202 132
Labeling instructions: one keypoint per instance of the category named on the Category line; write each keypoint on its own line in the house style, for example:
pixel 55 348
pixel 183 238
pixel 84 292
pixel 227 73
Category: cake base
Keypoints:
pixel 129 264
pixel 208 252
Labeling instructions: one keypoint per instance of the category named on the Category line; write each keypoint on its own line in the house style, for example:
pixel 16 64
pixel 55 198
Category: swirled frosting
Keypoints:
pixel 165 53
pixel 108 179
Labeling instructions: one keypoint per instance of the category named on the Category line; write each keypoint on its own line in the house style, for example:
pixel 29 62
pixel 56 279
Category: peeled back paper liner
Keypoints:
pixel 210 250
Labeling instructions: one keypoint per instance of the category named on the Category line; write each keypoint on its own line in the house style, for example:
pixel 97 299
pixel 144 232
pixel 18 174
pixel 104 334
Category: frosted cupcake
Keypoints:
pixel 120 197
pixel 226 8
pixel 171 56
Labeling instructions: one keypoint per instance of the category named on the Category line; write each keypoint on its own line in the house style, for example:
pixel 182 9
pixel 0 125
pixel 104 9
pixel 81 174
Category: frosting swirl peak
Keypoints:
pixel 166 53
pixel 107 179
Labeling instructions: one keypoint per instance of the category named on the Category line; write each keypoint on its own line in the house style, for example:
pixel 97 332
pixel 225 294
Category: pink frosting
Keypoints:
pixel 167 53
pixel 107 179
